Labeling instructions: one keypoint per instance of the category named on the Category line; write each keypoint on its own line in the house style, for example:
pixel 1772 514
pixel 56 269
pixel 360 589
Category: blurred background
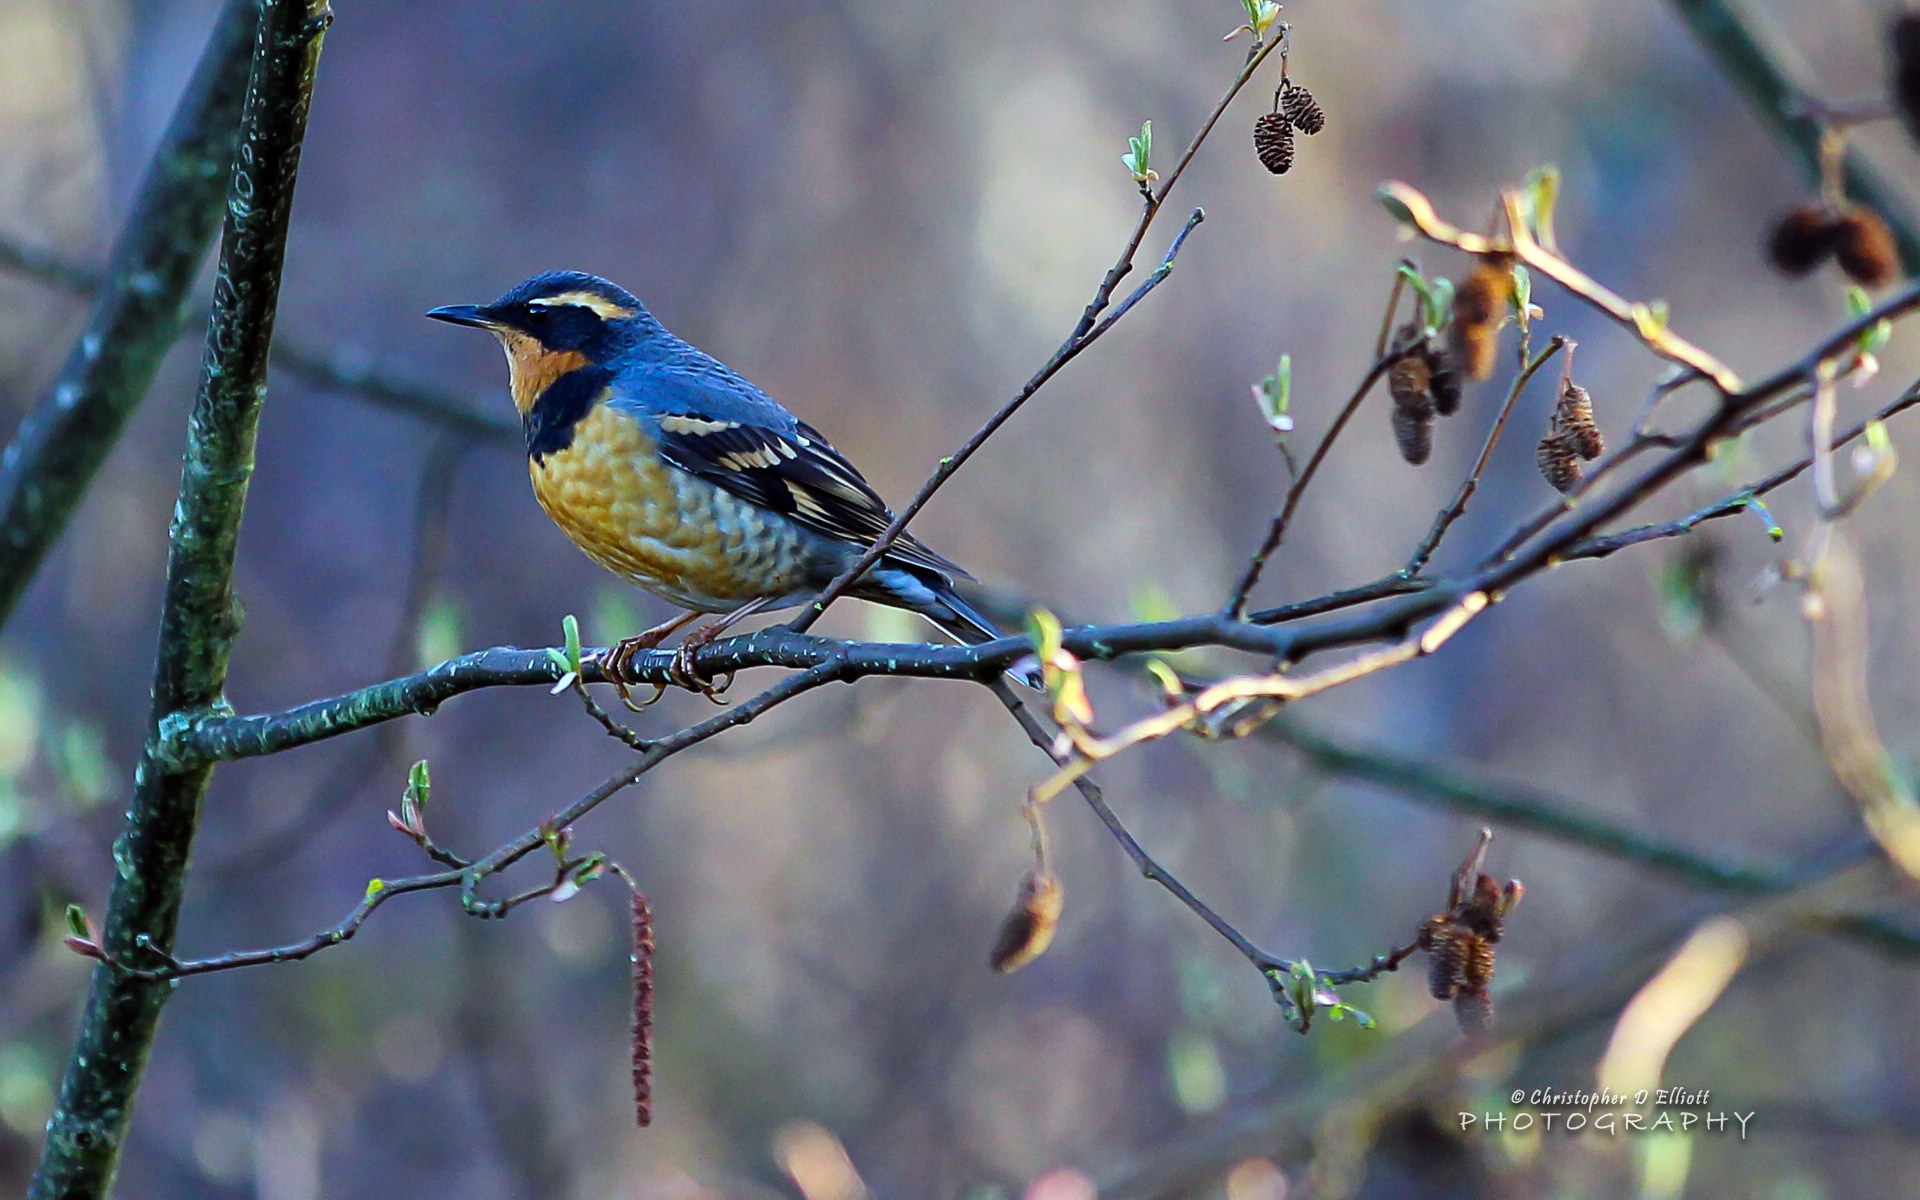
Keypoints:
pixel 888 215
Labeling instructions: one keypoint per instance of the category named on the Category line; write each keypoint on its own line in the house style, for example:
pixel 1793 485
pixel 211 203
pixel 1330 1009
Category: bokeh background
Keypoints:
pixel 887 215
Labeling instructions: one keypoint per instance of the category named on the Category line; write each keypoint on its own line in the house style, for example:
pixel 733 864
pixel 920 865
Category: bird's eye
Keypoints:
pixel 538 314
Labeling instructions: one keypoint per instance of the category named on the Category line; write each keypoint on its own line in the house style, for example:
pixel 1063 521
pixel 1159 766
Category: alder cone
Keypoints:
pixel 1413 433
pixel 1802 240
pixel 1573 418
pixel 1443 380
pixel 1558 463
pixel 1273 142
pixel 1865 248
pixel 1298 106
pixel 1410 381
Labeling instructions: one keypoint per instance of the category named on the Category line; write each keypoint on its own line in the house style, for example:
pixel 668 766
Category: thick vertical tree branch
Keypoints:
pixel 198 620
pixel 136 316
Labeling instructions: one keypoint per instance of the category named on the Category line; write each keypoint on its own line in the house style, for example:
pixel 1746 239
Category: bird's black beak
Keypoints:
pixel 464 314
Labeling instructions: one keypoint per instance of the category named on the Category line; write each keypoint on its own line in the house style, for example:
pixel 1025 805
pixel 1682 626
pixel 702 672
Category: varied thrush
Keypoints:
pixel 681 477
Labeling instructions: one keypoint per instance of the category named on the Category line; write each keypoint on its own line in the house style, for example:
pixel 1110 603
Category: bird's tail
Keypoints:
pixel 932 596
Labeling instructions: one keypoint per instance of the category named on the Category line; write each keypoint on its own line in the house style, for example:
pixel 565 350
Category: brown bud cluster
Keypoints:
pixel 1904 37
pixel 1460 941
pixel 1298 106
pixel 1479 305
pixel 1028 929
pixel 1854 237
pixel 1273 142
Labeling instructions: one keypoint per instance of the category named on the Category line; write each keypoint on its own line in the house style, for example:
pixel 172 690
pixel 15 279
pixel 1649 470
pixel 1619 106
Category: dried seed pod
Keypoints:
pixel 1413 433
pixel 1028 929
pixel 1478 304
pixel 1802 240
pixel 1573 417
pixel 1443 380
pixel 1558 464
pixel 1298 106
pixel 1273 142
pixel 1904 36
pixel 1865 248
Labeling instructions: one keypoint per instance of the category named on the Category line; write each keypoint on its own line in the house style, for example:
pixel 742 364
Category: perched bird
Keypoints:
pixel 679 476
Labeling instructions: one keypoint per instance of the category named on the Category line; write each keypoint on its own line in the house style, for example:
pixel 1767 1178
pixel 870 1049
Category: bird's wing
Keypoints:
pixel 722 429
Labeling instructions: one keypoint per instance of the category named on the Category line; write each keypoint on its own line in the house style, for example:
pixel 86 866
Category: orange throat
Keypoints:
pixel 532 368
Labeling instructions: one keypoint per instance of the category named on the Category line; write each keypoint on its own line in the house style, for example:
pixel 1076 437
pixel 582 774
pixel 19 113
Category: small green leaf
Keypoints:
pixel 1166 677
pixel 413 801
pixel 375 886
pixel 1522 297
pixel 1421 288
pixel 1650 319
pixel 77 923
pixel 1542 191
pixel 1044 629
pixel 571 628
pixel 1874 337
pixel 1139 157
pixel 1440 306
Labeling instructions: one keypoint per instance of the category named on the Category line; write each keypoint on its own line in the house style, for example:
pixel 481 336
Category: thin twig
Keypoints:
pixel 1085 332
pixel 1452 512
pixel 1277 529
pixel 1145 862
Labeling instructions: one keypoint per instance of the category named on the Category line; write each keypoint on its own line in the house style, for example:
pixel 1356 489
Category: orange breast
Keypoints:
pixel 669 532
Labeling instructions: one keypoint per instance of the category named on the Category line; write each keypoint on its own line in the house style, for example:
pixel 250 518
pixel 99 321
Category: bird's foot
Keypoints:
pixel 615 661
pixel 683 671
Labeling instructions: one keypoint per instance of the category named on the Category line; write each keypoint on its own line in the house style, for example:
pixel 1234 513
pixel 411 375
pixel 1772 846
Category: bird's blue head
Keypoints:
pixel 555 323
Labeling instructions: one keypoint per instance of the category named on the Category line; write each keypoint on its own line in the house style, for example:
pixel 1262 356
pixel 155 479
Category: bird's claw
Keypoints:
pixel 684 675
pixel 613 664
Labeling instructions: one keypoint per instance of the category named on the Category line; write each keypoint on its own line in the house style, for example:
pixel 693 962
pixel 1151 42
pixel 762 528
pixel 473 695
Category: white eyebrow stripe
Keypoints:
pixel 606 309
